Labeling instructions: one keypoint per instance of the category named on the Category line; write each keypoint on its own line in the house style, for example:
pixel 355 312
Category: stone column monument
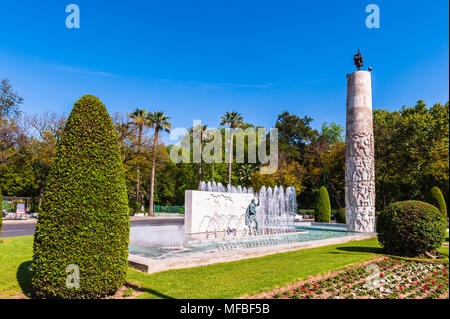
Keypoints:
pixel 359 152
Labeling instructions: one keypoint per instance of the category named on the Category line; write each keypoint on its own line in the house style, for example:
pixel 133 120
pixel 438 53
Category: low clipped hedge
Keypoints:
pixel 340 216
pixel 322 207
pixel 306 212
pixel 436 199
pixel 83 223
pixel 410 228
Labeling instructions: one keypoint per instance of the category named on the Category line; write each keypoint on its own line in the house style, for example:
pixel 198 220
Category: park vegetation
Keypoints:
pixel 83 221
pixel 436 199
pixel 411 155
pixel 411 228
pixel 1 215
pixel 340 216
pixel 322 207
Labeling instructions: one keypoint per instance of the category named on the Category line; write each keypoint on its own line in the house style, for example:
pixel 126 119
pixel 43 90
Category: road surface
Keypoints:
pixel 26 228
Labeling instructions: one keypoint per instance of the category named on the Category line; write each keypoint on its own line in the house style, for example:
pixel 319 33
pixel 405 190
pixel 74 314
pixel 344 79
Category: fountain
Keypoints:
pixel 275 213
pixel 219 226
pixel 226 223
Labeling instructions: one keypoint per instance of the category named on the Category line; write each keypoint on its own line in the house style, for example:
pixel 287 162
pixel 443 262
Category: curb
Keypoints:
pixel 19 221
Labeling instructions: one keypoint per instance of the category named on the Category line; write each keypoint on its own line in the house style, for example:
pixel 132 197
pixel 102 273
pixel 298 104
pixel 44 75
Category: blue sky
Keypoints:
pixel 198 59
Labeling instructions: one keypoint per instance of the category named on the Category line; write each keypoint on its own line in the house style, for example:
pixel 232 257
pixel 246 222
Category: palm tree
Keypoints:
pixel 234 120
pixel 203 139
pixel 138 120
pixel 158 121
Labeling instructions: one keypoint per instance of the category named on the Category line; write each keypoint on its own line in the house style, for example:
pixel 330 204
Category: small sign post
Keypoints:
pixel 20 208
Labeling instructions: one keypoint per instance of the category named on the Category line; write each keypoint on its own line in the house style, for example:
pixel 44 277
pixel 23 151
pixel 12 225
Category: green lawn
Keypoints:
pixel 15 257
pixel 226 280
pixel 250 276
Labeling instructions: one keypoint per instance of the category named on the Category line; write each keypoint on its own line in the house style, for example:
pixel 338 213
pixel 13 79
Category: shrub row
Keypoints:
pixel 340 216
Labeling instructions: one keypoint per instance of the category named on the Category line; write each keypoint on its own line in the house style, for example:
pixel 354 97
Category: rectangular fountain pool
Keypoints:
pixel 305 232
pixel 147 256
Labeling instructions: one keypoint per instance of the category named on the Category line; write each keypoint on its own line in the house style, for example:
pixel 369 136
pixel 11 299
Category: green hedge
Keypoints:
pixel 436 199
pixel 322 207
pixel 84 213
pixel 340 216
pixel 306 212
pixel 1 213
pixel 410 228
pixel 169 209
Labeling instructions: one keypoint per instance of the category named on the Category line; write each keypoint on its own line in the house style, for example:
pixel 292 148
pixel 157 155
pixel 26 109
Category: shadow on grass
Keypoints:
pixel 149 291
pixel 354 249
pixel 23 276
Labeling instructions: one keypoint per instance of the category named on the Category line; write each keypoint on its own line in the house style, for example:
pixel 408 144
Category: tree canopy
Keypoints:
pixel 411 155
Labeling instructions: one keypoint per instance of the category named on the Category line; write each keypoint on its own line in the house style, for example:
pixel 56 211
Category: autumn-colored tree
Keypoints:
pixel 288 174
pixel 324 162
pixel 48 127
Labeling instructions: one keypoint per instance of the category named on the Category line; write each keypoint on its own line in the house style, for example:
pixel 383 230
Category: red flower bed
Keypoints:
pixel 382 279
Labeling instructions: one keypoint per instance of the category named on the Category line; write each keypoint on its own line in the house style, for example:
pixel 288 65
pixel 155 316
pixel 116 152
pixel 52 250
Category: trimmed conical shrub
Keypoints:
pixel 436 199
pixel 322 207
pixel 81 240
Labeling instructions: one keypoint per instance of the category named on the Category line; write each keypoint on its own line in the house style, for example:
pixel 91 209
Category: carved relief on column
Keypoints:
pixel 360 182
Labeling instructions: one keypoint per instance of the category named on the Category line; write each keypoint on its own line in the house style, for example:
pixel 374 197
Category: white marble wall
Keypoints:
pixel 209 211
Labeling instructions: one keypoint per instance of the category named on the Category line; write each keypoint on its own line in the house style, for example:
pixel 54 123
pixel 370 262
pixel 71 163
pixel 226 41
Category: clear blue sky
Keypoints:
pixel 198 59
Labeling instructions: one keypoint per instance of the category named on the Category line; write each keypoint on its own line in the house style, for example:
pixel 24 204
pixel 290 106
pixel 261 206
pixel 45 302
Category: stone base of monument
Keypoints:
pixel 152 265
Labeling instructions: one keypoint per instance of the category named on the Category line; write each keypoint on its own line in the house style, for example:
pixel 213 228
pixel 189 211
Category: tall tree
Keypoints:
pixel 294 134
pixel 233 120
pixel 324 161
pixel 411 152
pixel 49 127
pixel 203 139
pixel 12 134
pixel 138 120
pixel 289 173
pixel 332 133
pixel 9 100
pixel 159 122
